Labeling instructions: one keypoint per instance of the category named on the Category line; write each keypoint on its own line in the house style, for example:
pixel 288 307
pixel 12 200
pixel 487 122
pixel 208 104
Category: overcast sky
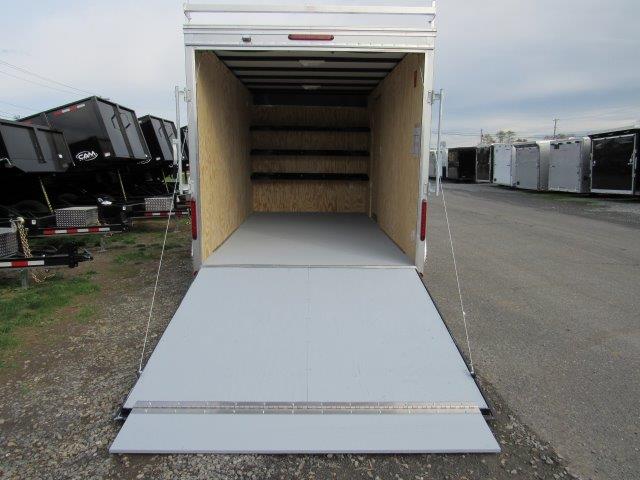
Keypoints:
pixel 505 64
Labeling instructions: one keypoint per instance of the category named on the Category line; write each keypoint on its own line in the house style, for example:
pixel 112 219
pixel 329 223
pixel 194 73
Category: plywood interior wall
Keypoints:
pixel 307 195
pixel 395 108
pixel 224 116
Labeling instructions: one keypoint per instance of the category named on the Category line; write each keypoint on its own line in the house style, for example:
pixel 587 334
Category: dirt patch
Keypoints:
pixel 69 378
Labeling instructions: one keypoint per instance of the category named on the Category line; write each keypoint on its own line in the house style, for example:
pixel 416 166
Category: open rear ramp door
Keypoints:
pixel 306 359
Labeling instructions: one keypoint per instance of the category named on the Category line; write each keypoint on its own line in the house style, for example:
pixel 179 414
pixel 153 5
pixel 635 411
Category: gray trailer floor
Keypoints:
pixel 316 239
pixel 299 359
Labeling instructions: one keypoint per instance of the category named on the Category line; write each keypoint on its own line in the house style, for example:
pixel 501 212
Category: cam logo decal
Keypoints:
pixel 86 156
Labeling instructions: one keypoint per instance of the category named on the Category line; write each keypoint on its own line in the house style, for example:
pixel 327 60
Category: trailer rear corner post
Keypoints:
pixel 428 98
pixel 191 93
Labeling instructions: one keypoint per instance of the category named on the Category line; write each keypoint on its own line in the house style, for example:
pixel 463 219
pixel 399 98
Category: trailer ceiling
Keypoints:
pixel 327 72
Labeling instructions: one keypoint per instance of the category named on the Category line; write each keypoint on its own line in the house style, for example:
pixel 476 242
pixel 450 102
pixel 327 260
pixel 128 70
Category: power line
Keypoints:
pixel 17 106
pixel 610 111
pixel 38 83
pixel 42 77
pixel 7 113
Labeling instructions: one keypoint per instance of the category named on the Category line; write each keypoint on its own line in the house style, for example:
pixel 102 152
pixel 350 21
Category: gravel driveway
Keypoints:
pixel 68 379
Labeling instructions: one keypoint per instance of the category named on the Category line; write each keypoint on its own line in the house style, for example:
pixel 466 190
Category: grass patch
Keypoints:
pixel 125 238
pixel 568 197
pixel 39 305
pixel 85 313
pixel 138 256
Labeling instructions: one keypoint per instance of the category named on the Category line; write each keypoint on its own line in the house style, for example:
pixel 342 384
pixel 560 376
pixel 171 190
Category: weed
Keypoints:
pixel 137 256
pixel 85 313
pixel 38 304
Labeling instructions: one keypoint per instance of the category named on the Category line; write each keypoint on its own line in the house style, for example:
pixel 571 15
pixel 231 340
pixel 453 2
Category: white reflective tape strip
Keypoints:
pixel 20 264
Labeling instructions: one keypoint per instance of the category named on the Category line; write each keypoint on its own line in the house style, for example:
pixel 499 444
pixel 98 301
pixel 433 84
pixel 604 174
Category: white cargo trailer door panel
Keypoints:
pixel 306 359
pixel 502 165
pixel 565 168
pixel 528 168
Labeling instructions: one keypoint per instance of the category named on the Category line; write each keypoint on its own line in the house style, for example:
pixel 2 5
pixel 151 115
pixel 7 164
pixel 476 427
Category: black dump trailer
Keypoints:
pixel 101 134
pixel 615 165
pixel 484 155
pixel 462 164
pixel 30 155
pixel 107 143
pixel 34 159
pixel 159 135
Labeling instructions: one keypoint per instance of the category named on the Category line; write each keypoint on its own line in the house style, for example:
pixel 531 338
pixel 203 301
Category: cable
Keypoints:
pixel 610 111
pixel 18 106
pixel 24 70
pixel 155 287
pixel 38 83
pixel 455 266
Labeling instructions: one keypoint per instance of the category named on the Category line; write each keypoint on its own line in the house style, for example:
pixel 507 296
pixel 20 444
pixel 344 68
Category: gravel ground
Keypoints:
pixel 552 295
pixel 68 379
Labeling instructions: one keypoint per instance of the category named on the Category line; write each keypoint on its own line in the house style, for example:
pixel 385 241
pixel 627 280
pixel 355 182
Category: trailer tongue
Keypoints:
pixel 306 348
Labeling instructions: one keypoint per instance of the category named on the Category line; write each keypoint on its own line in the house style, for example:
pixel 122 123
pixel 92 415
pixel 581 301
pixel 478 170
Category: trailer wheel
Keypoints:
pixel 30 206
pixel 68 199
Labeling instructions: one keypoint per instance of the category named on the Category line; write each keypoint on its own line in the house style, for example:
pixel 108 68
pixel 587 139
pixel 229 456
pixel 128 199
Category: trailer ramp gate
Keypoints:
pixel 328 356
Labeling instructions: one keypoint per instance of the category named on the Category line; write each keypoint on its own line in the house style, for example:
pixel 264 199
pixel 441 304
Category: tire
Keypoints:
pixel 33 207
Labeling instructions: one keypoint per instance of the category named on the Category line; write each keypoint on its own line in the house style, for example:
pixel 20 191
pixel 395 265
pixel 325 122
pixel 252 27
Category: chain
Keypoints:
pixel 124 193
pixel 26 250
pixel 164 180
pixel 46 195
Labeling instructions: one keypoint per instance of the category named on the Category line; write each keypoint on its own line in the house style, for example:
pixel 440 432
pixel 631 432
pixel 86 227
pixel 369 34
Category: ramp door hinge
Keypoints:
pixel 301 408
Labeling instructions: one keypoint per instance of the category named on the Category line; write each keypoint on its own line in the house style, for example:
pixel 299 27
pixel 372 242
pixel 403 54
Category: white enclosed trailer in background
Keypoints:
pixel 501 158
pixel 531 163
pixel 569 165
pixel 308 328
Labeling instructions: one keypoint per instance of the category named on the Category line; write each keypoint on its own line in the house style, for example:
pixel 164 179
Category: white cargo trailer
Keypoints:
pixel 501 157
pixel 569 165
pixel 308 328
pixel 531 161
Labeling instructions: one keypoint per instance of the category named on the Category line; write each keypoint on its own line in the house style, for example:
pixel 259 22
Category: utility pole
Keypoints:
pixel 481 135
pixel 439 159
pixel 555 127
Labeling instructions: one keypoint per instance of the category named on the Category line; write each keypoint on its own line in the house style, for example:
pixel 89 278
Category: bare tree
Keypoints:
pixel 488 138
pixel 506 136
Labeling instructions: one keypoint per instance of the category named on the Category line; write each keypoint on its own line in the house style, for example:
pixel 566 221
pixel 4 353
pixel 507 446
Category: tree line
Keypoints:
pixel 509 136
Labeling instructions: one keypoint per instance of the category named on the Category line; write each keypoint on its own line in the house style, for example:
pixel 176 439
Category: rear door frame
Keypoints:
pixel 634 164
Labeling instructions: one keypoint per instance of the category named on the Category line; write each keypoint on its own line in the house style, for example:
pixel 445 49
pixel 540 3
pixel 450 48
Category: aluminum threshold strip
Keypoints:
pixel 336 8
pixel 301 408
pixel 370 267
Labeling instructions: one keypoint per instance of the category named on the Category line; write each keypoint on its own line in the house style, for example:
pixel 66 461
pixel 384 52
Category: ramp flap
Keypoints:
pixel 305 360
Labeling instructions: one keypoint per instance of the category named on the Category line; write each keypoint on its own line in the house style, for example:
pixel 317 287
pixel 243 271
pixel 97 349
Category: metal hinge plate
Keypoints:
pixel 298 408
